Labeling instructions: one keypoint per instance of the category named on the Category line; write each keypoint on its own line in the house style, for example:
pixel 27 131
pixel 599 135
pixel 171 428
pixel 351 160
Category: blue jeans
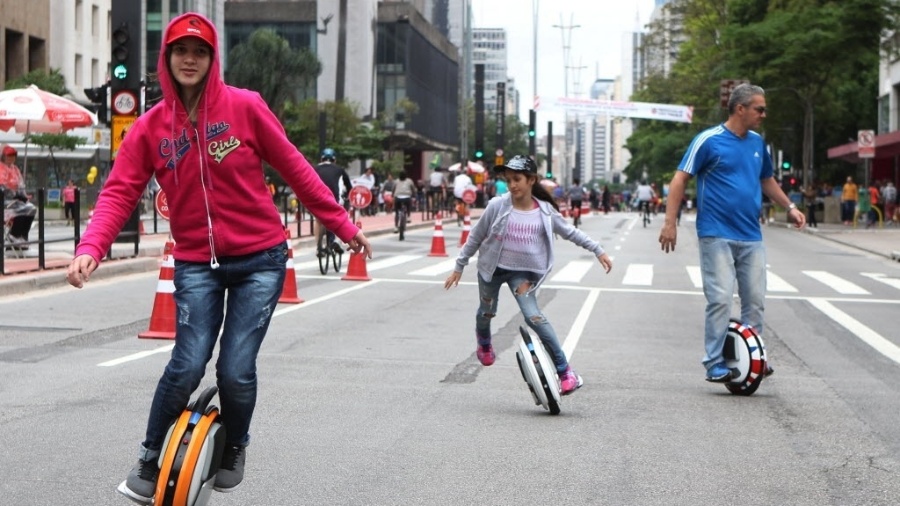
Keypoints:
pixel 723 263
pixel 488 292
pixel 253 284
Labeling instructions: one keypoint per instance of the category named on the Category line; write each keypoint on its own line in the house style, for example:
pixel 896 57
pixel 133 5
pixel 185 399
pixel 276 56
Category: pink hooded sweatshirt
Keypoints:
pixel 211 173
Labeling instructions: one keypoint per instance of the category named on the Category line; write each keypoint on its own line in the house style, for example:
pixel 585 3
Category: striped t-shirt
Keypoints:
pixel 524 248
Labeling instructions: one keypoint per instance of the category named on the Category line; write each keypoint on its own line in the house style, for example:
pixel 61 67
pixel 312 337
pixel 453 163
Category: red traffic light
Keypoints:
pixel 793 181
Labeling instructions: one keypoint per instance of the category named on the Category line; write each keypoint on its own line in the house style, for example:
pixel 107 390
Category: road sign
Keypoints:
pixel 866 143
pixel 120 126
pixel 468 196
pixel 162 205
pixel 360 197
pixel 124 102
pixel 726 86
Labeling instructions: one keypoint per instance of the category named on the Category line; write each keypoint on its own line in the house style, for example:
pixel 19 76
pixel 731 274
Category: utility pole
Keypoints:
pixel 566 32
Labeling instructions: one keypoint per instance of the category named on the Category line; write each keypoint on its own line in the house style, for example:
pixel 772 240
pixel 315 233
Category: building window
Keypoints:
pixel 79 73
pixel 95 20
pixel 79 7
pixel 95 73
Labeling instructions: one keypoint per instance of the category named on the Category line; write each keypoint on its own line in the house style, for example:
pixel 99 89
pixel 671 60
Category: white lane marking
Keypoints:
pixel 391 262
pixel 136 356
pixel 840 285
pixel 878 276
pixel 775 283
pixel 279 312
pixel 638 274
pixel 860 330
pixel 436 269
pixel 580 322
pixel 694 273
pixel 573 272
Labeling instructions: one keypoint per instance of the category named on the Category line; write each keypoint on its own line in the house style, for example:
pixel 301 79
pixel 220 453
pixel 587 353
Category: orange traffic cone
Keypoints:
pixel 467 226
pixel 162 320
pixel 438 249
pixel 356 267
pixel 289 290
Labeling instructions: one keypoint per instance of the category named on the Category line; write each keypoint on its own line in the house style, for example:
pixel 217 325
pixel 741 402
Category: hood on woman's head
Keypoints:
pixel 9 151
pixel 186 25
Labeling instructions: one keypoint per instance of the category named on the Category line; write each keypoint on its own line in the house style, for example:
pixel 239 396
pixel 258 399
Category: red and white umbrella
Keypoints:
pixel 33 110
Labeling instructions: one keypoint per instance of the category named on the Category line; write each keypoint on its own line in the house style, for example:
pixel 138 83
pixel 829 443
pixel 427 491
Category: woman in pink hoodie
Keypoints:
pixel 205 143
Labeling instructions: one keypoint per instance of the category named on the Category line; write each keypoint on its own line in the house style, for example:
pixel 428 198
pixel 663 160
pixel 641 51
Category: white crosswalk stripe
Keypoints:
pixel 572 272
pixel 881 277
pixel 839 284
pixel 390 262
pixel 774 283
pixel 638 274
pixel 695 275
pixel 443 267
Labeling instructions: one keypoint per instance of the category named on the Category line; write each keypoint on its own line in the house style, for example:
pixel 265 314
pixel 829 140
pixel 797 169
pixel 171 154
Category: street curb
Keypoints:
pixel 56 278
pixel 895 255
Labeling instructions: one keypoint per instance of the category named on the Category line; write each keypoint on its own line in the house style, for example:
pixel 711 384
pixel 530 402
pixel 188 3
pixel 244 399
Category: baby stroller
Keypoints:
pixel 18 216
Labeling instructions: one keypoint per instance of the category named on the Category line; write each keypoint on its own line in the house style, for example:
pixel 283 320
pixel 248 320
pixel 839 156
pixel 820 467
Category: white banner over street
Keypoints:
pixel 645 110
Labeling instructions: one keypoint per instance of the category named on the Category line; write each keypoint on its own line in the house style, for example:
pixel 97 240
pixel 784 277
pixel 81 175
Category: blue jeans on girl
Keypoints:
pixel 489 291
pixel 253 284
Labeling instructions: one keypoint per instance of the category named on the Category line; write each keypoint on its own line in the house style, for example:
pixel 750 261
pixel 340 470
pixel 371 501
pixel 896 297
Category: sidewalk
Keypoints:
pixel 879 241
pixel 22 274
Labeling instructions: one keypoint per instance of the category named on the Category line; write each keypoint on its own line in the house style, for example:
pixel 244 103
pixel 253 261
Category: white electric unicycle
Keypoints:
pixel 745 355
pixel 190 457
pixel 538 371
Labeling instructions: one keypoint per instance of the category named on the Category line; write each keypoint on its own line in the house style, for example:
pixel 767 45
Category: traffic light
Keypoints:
pixel 479 153
pixel 532 132
pixel 786 166
pixel 549 175
pixel 125 61
pixel 98 97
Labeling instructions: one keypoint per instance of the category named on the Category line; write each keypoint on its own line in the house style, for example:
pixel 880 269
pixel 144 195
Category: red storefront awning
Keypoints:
pixel 886 146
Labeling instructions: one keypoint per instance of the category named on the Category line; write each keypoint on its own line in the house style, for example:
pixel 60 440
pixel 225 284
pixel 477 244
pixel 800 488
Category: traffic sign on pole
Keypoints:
pixel 866 143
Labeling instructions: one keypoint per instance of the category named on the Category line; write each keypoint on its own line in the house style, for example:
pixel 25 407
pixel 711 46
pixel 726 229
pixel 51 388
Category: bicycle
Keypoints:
pixel 401 207
pixel 329 251
pixel 576 214
pixel 645 211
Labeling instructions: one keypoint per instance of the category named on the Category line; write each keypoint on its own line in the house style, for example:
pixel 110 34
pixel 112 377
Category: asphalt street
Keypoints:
pixel 370 393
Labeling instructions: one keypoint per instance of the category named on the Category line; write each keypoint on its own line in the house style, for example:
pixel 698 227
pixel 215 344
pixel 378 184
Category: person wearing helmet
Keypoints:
pixel 514 242
pixel 333 176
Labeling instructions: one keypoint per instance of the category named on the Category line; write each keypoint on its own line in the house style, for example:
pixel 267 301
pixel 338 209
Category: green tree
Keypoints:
pixel 51 81
pixel 817 59
pixel 267 64
pixel 53 142
pixel 344 131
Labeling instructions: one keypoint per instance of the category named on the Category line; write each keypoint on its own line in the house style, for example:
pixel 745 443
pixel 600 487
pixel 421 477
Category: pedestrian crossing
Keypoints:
pixel 639 275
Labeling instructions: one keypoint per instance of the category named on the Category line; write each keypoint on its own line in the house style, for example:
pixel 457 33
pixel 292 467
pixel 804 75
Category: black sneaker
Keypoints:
pixel 141 482
pixel 231 470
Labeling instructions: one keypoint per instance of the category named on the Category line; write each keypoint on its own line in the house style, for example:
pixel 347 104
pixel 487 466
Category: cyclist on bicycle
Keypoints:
pixel 461 182
pixel 576 195
pixel 645 195
pixel 404 191
pixel 332 175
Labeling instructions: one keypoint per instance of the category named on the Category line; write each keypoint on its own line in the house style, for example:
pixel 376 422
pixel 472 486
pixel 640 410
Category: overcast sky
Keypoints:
pixel 596 44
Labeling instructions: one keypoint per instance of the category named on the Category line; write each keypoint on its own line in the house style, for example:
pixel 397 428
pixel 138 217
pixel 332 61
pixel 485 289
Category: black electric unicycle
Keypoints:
pixel 190 457
pixel 538 371
pixel 745 355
